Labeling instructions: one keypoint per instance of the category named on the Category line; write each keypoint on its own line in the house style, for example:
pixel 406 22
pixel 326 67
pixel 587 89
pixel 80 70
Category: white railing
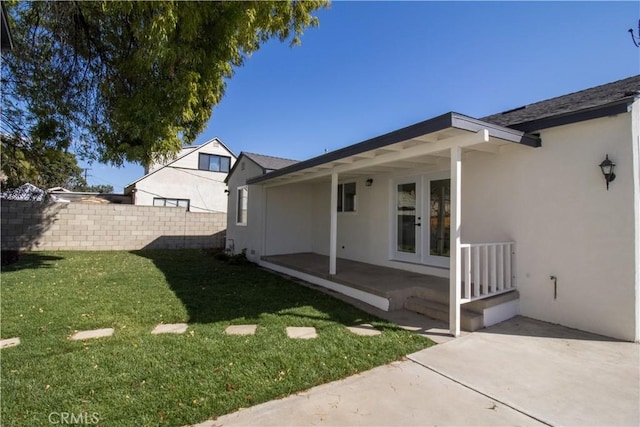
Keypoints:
pixel 487 269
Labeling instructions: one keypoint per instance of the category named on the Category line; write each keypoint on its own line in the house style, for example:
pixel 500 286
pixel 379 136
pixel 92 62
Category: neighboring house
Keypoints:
pixel 194 180
pixel 248 165
pixel 513 204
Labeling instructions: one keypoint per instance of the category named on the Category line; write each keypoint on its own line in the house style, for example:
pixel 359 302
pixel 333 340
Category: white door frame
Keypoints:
pixel 395 253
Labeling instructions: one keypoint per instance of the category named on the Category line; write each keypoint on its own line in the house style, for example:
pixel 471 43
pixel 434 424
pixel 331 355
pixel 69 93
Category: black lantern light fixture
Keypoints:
pixel 368 182
pixel 607 167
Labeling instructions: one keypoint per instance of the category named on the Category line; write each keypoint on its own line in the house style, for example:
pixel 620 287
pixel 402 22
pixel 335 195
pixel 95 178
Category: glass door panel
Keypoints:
pixel 406 218
pixel 439 217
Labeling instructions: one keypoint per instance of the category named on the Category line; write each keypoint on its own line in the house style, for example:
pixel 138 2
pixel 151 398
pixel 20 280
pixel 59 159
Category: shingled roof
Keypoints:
pixel 551 112
pixel 269 163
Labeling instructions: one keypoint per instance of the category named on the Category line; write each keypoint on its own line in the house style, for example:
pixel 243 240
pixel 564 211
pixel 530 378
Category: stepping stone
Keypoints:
pixel 364 330
pixel 301 333
pixel 241 330
pixel 170 328
pixel 9 342
pixel 95 333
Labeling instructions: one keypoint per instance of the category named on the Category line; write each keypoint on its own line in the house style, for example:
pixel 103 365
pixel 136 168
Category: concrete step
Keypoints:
pixel 469 321
pixel 437 295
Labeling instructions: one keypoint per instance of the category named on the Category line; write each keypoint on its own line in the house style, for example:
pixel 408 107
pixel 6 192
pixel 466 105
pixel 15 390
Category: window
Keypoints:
pixel 241 205
pixel 172 203
pixel 214 163
pixel 347 197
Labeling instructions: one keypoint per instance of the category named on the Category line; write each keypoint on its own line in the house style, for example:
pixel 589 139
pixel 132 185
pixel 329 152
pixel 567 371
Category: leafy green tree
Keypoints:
pixel 43 165
pixel 101 188
pixel 132 80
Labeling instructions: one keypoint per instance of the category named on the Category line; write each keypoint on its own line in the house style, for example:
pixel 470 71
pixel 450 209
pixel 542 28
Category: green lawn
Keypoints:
pixel 135 378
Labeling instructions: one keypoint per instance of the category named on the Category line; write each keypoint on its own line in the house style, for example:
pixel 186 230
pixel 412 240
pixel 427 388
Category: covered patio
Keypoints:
pixel 370 202
pixel 388 283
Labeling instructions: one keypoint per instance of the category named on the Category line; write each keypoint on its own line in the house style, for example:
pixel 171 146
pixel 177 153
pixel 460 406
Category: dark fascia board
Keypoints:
pixel 444 121
pixel 611 109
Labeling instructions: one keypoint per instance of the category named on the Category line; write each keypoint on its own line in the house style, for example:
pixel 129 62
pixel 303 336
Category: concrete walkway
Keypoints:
pixel 520 372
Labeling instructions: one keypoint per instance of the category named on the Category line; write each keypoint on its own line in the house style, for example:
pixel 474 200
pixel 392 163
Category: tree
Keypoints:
pixel 101 188
pixel 45 166
pixel 132 80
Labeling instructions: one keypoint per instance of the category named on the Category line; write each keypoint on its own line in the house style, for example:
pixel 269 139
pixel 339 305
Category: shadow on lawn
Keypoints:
pixel 214 291
pixel 14 261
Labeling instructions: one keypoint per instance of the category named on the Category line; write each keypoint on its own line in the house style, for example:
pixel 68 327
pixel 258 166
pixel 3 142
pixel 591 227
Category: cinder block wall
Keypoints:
pixel 41 226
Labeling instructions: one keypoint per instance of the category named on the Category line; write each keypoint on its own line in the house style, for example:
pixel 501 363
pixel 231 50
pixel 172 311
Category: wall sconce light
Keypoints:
pixel 369 182
pixel 607 167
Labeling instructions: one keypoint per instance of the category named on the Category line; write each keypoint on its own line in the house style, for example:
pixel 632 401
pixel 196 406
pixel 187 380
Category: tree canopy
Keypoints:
pixel 33 161
pixel 132 80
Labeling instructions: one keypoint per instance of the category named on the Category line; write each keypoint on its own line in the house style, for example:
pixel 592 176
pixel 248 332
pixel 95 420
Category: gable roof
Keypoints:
pixel 189 150
pixel 267 163
pixel 604 100
pixel 513 125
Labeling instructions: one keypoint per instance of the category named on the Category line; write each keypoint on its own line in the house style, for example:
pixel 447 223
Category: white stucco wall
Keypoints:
pixel 247 236
pixel 364 235
pixel 288 220
pixel 553 203
pixel 181 179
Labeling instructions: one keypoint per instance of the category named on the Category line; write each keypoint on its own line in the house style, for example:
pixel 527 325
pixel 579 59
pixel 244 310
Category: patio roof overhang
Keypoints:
pixel 423 144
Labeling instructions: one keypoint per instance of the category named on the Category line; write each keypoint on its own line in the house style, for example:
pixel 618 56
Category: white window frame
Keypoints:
pixel 341 203
pixel 175 203
pixel 239 208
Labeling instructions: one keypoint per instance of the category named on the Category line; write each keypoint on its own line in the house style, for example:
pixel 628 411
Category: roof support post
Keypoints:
pixel 333 237
pixel 455 281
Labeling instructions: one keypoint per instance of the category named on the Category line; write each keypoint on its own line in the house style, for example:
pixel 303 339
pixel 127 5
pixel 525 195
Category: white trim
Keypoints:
pixel 333 228
pixel 455 270
pixel 244 188
pixel 635 149
pixel 501 312
pixel 352 163
pixel 395 254
pixel 373 300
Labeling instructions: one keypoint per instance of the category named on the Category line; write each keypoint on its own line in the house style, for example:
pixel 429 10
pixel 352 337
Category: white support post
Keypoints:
pixel 454 243
pixel 333 237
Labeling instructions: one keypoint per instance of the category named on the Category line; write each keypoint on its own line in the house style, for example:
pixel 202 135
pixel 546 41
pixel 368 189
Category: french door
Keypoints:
pixel 422 216
pixel 408 219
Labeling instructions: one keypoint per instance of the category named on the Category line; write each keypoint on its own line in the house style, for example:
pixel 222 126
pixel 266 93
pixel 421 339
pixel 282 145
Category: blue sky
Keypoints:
pixel 373 67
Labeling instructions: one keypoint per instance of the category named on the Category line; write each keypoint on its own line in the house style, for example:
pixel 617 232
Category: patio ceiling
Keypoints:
pixel 425 145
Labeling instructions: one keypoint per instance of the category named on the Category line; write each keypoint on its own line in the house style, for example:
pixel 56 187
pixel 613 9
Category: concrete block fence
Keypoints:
pixel 76 226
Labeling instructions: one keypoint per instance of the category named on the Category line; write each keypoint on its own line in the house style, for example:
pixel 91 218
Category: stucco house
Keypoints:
pixel 195 179
pixel 248 165
pixel 469 220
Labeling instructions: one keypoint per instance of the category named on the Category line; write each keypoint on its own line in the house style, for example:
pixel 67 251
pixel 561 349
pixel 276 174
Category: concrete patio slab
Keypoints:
pixel 402 394
pixel 365 330
pixel 9 342
pixel 558 375
pixel 241 330
pixel 301 332
pixel 435 330
pixel 94 333
pixel 170 328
